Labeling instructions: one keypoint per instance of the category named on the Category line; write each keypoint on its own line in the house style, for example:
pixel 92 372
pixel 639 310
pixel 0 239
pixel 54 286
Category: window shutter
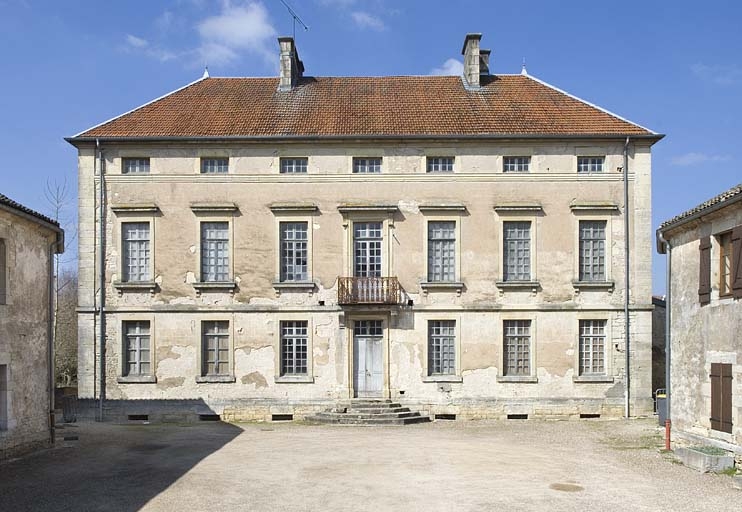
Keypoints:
pixel 3 272
pixel 737 262
pixel 721 397
pixel 704 279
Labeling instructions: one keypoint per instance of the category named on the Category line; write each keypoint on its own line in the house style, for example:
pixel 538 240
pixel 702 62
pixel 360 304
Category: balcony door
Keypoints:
pixel 368 357
pixel 367 249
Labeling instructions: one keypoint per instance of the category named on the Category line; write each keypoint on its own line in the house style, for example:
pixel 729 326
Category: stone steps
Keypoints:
pixel 368 412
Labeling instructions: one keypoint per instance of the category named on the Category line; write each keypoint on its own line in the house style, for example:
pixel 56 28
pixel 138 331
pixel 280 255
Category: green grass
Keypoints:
pixel 709 450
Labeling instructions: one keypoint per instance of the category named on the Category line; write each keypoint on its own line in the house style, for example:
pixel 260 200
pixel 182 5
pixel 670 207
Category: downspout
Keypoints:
pixel 627 253
pixel 101 283
pixel 50 337
pixel 668 339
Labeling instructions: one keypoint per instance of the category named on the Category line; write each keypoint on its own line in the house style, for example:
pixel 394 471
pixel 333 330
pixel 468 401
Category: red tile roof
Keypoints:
pixel 365 106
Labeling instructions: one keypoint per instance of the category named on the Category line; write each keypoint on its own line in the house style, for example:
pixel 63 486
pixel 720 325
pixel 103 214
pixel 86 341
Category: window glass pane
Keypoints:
pixel 367 249
pixel 135 242
pixel 440 164
pixel 517 347
pixel 517 251
pixel 215 343
pixel 136 340
pixel 592 347
pixel 592 251
pixel 294 251
pixel 215 251
pixel 214 165
pixel 516 164
pixel 367 165
pixel 294 348
pixel 441 347
pixel 590 163
pixel 442 251
pixel 294 165
pixel 135 165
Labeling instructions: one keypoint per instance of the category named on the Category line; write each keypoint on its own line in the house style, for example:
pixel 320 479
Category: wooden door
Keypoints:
pixel 368 370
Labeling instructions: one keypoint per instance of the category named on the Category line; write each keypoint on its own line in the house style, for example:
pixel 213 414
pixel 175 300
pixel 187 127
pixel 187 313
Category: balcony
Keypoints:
pixel 369 290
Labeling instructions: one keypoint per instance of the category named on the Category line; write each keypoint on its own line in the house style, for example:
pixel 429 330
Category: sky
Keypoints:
pixel 672 66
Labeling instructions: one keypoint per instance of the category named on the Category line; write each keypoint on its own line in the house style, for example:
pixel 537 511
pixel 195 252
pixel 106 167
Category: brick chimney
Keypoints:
pixel 292 68
pixel 470 51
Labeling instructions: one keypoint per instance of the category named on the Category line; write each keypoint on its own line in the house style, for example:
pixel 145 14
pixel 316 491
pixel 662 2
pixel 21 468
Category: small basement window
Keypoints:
pixel 138 417
pixel 208 417
pixel 589 416
pixel 282 417
pixel 445 416
pixel 517 416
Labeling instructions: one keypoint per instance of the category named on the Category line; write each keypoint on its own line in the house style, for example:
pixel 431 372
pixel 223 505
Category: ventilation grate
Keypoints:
pixel 445 416
pixel 138 417
pixel 208 417
pixel 282 417
pixel 517 416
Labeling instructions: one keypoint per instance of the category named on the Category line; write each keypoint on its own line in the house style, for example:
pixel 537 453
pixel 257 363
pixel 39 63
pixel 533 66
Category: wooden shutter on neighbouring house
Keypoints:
pixel 721 397
pixel 704 278
pixel 737 262
pixel 3 271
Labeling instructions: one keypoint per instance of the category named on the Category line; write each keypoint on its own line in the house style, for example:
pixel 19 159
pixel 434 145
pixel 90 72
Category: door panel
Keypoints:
pixel 368 374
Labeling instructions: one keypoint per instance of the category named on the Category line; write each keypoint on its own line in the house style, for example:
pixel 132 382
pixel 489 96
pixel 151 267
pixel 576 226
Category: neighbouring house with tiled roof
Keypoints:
pixel 277 247
pixel 28 243
pixel 704 302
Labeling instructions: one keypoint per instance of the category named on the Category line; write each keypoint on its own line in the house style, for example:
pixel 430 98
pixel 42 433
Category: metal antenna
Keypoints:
pixel 295 17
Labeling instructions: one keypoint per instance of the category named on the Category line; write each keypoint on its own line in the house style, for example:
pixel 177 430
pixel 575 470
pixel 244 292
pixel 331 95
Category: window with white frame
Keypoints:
pixel 516 164
pixel 517 347
pixel 441 251
pixel 366 165
pixel 587 164
pixel 294 343
pixel 214 165
pixel 137 348
pixel 441 347
pixel 135 165
pixel 136 251
pixel 592 347
pixel 214 252
pixel 293 165
pixel 440 164
pixel 367 241
pixel 215 346
pixel 294 251
pixel 517 251
pixel 592 250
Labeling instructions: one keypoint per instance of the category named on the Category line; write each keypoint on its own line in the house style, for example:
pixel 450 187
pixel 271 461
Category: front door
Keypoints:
pixel 368 372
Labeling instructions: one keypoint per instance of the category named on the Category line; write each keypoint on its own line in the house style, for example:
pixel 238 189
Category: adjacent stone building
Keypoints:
pixel 273 245
pixel 28 243
pixel 704 248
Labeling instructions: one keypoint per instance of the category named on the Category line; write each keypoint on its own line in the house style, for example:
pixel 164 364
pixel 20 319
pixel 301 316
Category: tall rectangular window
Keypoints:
pixel 214 165
pixel 3 271
pixel 136 253
pixel 137 349
pixel 592 250
pixel 215 345
pixel 592 347
pixel 442 251
pixel 214 251
pixel 135 165
pixel 293 165
pixel 517 347
pixel 367 249
pixel 294 251
pixel 517 251
pixel 366 165
pixel 590 164
pixel 725 264
pixel 294 348
pixel 516 164
pixel 440 164
pixel 4 397
pixel 441 347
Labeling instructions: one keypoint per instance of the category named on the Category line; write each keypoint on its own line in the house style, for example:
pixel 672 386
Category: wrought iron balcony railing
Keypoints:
pixel 368 290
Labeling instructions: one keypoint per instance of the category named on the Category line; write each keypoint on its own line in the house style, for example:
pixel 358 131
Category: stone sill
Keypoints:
pixel 443 286
pixel 135 286
pixel 281 286
pixel 213 286
pixel 137 379
pixel 294 379
pixel 594 285
pixel 215 379
pixel 524 379
pixel 518 285
pixel 596 379
pixel 443 378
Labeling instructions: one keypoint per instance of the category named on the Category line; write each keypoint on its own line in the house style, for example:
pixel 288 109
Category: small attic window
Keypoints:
pixel 586 164
pixel 440 164
pixel 135 165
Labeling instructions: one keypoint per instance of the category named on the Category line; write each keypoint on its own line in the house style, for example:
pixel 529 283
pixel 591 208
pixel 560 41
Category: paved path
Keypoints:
pixel 446 466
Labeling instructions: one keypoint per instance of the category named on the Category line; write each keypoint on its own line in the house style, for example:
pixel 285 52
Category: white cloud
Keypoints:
pixel 366 20
pixel 139 45
pixel 236 29
pixel 692 158
pixel 718 74
pixel 136 42
pixel 450 67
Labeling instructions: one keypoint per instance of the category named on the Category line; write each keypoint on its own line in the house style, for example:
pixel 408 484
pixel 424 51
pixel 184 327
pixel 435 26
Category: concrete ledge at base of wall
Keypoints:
pixel 704 462
pixel 26 448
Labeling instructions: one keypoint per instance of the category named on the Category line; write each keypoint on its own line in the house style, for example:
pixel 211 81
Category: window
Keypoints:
pixel 517 347
pixel 3 272
pixel 135 166
pixel 517 251
pixel 215 342
pixel 293 165
pixel 294 251
pixel 215 251
pixel 136 252
pixel 214 165
pixel 137 348
pixel 441 347
pixel 590 164
pixel 516 164
pixel 366 165
pixel 592 250
pixel 721 397
pixel 441 251
pixel 592 347
pixel 4 396
pixel 294 348
pixel 440 164
pixel 725 264
pixel 367 249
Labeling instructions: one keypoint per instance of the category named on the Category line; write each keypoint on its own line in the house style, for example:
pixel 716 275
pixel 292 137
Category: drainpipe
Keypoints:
pixel 668 339
pixel 50 337
pixel 627 253
pixel 101 283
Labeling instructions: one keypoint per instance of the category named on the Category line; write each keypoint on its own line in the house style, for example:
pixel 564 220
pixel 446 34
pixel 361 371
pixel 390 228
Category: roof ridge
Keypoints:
pixel 717 199
pixel 6 201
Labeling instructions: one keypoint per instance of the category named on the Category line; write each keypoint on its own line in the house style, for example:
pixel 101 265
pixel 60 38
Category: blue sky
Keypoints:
pixel 674 67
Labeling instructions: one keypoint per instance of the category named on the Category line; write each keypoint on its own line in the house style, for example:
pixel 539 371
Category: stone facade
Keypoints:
pixel 253 199
pixel 28 243
pixel 704 332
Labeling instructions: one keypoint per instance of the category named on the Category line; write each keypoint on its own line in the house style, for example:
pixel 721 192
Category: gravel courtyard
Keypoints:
pixel 451 466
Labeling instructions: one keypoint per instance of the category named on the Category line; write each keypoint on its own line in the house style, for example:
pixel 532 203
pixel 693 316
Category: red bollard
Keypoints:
pixel 667 434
